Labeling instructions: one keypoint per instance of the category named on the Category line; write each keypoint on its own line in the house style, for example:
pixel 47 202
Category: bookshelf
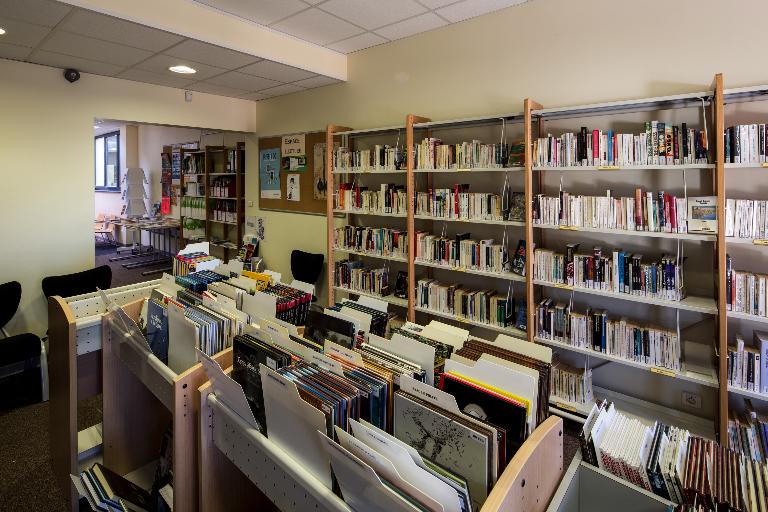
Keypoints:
pixel 213 180
pixel 705 301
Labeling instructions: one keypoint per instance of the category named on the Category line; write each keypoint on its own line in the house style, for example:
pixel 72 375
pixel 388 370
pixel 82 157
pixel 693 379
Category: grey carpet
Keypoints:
pixel 122 276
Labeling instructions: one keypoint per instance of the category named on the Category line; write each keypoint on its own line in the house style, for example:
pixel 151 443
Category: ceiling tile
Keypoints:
pixel 280 90
pixel 261 11
pixel 216 89
pixel 356 43
pixel 91 24
pixel 254 96
pixel 373 13
pixel 316 81
pixel 471 8
pixel 317 27
pixel 160 63
pixel 210 54
pixel 276 71
pixel 40 12
pixel 434 4
pixel 13 52
pixel 21 33
pixel 94 49
pixel 140 75
pixel 314 2
pixel 58 60
pixel 412 26
pixel 242 81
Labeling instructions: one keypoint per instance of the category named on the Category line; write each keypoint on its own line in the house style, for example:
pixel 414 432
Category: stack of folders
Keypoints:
pixel 322 327
pixel 109 492
pixel 379 319
pixel 157 327
pixel 292 303
pixel 443 351
pixel 215 328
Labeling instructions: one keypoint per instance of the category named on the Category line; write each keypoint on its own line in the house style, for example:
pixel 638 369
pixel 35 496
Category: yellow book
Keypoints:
pixel 262 280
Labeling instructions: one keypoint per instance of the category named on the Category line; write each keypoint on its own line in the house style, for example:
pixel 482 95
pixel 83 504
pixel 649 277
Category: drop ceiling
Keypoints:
pixel 57 34
pixel 350 25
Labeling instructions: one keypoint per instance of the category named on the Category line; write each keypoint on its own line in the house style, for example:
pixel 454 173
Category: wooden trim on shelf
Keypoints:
pixel 410 120
pixel 330 131
pixel 528 106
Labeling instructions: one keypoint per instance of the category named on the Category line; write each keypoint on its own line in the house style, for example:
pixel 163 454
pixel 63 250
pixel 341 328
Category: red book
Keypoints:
pixel 595 147
pixel 638 209
pixel 456 199
pixel 673 212
pixel 667 211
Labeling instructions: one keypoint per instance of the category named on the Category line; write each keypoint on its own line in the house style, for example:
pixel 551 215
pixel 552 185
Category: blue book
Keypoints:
pixel 157 329
pixel 610 147
pixel 761 343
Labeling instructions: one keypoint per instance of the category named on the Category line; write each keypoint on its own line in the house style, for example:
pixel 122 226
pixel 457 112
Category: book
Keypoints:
pixel 702 214
pixel 518 260
pixel 117 488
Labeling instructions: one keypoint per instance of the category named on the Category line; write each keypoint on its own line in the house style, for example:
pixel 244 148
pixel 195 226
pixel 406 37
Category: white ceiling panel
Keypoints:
pixel 472 8
pixel 91 24
pixel 436 4
pixel 317 81
pixel 356 43
pixel 254 96
pixel 263 12
pixel 409 27
pixel 276 71
pixel 58 60
pixel 94 49
pixel 371 14
pixel 217 89
pixel 160 63
pixel 140 75
pixel 197 51
pixel 13 52
pixel 281 90
pixel 242 81
pixel 40 12
pixel 22 33
pixel 317 27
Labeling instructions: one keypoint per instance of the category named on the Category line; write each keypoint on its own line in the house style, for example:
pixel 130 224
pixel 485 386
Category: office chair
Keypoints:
pixel 306 268
pixel 79 283
pixel 23 365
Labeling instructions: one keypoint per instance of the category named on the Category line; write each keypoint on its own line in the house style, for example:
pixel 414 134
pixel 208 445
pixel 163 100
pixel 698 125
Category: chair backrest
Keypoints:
pixel 306 266
pixel 79 283
pixel 10 297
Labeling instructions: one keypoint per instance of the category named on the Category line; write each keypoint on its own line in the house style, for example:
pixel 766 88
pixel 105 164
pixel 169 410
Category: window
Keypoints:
pixel 107 158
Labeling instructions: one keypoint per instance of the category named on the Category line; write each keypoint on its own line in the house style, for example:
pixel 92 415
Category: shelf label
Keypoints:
pixel 760 241
pixel 608 167
pixel 567 407
pixel 463 170
pixel 569 228
pixel 663 371
pixel 764 164
pixel 562 285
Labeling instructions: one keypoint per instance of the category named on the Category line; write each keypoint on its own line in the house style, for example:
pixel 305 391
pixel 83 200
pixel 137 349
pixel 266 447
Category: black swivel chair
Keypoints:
pixel 306 267
pixel 79 283
pixel 22 357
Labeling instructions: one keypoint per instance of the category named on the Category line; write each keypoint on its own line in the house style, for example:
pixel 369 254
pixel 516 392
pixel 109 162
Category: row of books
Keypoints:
pixel 748 434
pixel 462 252
pixel 193 207
pixel 659 144
pixel 573 385
pixel 193 163
pixel 354 276
pixel 379 401
pixel 746 292
pixel 485 306
pixel 224 211
pixel 193 228
pixel 619 272
pixel 106 490
pixel 390 198
pixel 375 241
pixel 223 187
pixel 378 158
pixel 459 203
pixel 747 364
pixel 746 218
pixel 651 457
pixel 594 330
pixel 432 153
pixel 646 211
pixel 745 143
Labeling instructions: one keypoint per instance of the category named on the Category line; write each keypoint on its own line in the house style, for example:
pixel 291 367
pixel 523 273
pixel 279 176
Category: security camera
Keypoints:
pixel 71 75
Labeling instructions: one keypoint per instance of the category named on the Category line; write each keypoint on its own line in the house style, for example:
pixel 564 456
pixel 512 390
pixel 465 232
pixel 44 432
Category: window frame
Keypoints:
pixel 119 174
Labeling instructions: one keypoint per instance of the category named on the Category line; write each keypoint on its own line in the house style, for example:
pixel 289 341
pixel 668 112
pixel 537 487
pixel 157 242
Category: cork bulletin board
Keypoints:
pixel 308 202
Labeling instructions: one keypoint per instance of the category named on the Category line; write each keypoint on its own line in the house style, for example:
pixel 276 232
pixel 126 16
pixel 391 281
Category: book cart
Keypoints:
pixel 142 396
pixel 75 370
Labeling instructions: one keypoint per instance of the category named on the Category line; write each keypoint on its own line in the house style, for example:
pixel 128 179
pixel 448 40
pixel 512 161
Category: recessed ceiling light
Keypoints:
pixel 2 31
pixel 185 70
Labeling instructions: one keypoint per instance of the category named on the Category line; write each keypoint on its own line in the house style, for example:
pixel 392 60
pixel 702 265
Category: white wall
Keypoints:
pixel 48 204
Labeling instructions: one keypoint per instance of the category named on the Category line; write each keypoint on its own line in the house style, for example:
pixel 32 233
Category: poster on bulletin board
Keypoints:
pixel 269 173
pixel 294 152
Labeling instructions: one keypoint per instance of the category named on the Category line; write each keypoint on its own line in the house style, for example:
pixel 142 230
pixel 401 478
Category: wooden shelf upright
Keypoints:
pixel 330 133
pixel 410 120
pixel 528 107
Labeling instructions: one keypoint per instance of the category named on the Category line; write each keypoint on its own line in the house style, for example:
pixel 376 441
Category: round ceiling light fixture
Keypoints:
pixel 184 70
pixel 2 31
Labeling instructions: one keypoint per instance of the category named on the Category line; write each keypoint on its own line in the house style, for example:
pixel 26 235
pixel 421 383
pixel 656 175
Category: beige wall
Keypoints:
pixel 48 203
pixel 558 52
